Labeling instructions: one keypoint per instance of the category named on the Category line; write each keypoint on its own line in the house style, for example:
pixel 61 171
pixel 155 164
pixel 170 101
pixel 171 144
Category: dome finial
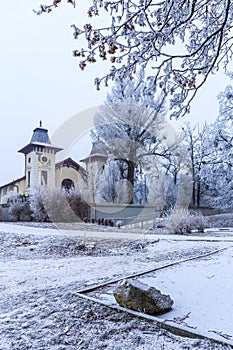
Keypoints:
pixel 40 123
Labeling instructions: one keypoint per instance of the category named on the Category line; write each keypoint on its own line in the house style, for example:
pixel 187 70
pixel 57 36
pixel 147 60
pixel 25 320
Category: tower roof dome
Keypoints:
pixel 98 148
pixel 40 138
pixel 98 151
pixel 40 135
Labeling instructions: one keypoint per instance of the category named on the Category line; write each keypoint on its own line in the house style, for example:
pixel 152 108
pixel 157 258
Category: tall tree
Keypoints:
pixel 108 182
pixel 200 146
pixel 179 42
pixel 132 126
pixel 223 145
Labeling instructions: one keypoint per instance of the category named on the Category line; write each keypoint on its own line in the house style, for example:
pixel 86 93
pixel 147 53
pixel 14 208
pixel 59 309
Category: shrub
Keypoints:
pixel 174 217
pixel 11 197
pixel 181 221
pixel 79 207
pixel 20 211
pixel 37 206
pixel 57 206
pixel 19 208
pixel 191 222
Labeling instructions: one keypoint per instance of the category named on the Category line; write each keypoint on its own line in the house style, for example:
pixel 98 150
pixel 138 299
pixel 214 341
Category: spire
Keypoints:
pixel 40 123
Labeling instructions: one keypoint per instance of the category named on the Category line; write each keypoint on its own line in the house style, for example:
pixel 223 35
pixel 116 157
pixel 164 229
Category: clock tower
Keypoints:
pixel 40 157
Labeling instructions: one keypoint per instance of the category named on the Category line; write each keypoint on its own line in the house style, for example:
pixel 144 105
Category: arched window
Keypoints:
pixel 67 184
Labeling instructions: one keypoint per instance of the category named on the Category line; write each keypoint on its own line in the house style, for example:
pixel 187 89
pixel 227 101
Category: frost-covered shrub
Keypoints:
pixel 191 222
pixel 181 221
pixel 11 197
pixel 49 205
pixel 57 205
pixel 175 216
pixel 19 208
pixel 37 205
pixel 20 211
pixel 79 207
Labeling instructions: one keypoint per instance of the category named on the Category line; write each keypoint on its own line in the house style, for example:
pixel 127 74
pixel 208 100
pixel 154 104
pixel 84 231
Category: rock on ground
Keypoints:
pixel 139 296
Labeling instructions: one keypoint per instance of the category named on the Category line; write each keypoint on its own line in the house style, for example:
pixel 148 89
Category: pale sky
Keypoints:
pixel 41 80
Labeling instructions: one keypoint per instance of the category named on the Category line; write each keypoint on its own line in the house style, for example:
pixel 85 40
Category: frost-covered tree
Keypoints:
pixel 89 190
pixel 226 103
pixel 224 122
pixel 177 180
pixel 136 91
pixel 130 132
pixel 199 143
pixel 222 173
pixel 211 152
pixel 132 126
pixel 108 184
pixel 141 190
pixel 179 43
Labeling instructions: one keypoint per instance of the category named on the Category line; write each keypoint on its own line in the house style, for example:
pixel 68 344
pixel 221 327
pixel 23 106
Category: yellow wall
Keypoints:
pixel 63 173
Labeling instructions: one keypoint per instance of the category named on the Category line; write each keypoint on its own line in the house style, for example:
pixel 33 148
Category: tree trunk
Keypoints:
pixel 198 192
pixel 130 179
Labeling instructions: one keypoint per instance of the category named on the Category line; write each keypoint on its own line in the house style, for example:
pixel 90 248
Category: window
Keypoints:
pixel 44 178
pixel 29 178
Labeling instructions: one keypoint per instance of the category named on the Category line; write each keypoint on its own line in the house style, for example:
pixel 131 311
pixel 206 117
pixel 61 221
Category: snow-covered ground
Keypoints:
pixel 201 290
pixel 42 268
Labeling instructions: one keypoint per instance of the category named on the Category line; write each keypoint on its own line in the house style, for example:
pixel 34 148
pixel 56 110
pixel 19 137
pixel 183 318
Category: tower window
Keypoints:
pixel 29 160
pixel 29 178
pixel 44 178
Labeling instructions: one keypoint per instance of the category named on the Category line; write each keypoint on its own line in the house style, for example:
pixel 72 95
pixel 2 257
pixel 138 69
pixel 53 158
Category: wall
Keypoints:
pixel 68 173
pixel 125 213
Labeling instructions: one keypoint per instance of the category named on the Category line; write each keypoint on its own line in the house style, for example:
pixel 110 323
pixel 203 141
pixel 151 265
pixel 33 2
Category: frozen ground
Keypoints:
pixel 41 268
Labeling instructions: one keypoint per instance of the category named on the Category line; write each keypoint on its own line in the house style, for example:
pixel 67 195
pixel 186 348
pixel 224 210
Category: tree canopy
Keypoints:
pixel 178 42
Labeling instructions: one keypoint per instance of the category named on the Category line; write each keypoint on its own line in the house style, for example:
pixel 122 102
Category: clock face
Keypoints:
pixel 44 159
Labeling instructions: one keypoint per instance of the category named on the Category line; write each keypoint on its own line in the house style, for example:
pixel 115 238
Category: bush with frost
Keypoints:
pixel 57 205
pixel 39 212
pixel 19 208
pixel 78 206
pixel 182 221
pixel 20 211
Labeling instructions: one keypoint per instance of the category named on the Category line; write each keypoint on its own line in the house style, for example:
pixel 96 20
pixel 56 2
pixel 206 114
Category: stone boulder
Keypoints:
pixel 138 296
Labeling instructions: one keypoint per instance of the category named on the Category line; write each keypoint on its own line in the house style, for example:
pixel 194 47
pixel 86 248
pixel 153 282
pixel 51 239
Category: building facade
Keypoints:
pixel 41 168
